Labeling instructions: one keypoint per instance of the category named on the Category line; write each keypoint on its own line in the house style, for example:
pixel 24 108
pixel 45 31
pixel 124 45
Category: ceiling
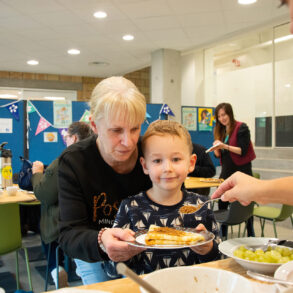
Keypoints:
pixel 45 29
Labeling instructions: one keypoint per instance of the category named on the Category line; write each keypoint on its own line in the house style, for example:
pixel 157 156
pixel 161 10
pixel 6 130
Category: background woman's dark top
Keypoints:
pixel 228 166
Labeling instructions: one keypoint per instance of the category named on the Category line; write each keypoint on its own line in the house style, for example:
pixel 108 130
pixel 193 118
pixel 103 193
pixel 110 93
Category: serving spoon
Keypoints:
pixel 269 279
pixel 191 209
pixel 123 269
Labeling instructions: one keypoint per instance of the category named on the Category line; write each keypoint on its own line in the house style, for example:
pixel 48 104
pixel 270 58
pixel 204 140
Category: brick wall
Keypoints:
pixel 141 78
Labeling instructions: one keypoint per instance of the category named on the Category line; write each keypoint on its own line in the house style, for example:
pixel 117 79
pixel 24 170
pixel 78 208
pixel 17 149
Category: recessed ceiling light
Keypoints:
pixel 288 85
pixel 73 52
pixel 100 14
pixel 246 2
pixel 32 62
pixel 128 37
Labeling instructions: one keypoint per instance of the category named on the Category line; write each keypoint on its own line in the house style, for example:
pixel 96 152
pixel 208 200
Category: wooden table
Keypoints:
pixel 21 196
pixel 126 285
pixel 195 182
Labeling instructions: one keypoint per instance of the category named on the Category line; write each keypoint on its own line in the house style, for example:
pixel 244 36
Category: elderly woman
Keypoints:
pixel 96 174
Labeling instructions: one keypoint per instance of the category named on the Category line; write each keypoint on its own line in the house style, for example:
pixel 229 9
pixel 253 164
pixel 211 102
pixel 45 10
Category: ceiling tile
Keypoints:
pixel 45 30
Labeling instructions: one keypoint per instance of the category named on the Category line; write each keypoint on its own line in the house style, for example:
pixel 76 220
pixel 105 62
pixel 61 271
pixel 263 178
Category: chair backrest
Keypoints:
pixel 238 213
pixel 286 212
pixel 10 233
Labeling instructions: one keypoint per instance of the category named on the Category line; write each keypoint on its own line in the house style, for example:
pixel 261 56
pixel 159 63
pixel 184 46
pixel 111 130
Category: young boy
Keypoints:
pixel 168 158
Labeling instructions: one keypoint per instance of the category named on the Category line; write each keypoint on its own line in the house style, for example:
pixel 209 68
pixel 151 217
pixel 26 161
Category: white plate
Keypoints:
pixel 141 234
pixel 285 271
pixel 213 147
pixel 228 247
pixel 191 279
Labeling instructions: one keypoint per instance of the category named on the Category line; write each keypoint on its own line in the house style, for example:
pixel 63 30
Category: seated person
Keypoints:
pixel 46 190
pixel 204 167
pixel 168 158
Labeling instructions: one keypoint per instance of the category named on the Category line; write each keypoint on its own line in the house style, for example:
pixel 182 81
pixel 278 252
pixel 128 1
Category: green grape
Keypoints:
pixel 276 254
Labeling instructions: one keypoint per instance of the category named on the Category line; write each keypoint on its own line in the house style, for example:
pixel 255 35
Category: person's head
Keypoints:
pixel 117 109
pixel 290 4
pixel 77 131
pixel 224 120
pixel 167 154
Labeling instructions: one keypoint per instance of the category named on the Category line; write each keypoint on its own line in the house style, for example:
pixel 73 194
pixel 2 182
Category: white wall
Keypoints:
pixel 166 79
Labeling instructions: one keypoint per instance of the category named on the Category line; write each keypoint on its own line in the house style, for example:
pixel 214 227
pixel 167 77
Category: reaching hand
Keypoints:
pixel 239 187
pixel 116 247
pixel 38 167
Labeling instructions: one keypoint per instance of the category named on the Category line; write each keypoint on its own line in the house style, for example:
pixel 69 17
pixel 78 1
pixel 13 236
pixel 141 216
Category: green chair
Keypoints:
pixel 272 214
pixel 10 237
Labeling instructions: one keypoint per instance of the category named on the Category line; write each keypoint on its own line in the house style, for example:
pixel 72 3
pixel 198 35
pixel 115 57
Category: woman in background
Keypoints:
pixel 234 149
pixel 45 186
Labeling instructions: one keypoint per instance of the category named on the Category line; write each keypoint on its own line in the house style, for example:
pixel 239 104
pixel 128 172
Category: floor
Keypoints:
pixel 284 230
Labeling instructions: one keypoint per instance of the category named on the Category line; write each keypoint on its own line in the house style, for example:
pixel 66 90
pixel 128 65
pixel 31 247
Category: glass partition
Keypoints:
pixel 255 74
pixel 283 86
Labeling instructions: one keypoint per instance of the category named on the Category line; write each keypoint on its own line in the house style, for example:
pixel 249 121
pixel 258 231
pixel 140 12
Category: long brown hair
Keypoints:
pixel 220 129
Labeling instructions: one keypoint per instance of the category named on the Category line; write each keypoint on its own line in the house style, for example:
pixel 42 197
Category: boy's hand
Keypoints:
pixel 205 248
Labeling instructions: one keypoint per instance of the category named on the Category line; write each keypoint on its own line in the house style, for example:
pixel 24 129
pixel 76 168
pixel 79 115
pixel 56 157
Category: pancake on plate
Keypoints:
pixel 166 235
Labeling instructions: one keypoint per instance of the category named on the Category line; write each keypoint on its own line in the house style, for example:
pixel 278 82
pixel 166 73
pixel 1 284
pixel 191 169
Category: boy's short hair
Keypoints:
pixel 167 127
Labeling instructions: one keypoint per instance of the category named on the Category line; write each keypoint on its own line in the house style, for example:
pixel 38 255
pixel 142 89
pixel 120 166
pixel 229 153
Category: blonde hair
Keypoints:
pixel 118 98
pixel 167 127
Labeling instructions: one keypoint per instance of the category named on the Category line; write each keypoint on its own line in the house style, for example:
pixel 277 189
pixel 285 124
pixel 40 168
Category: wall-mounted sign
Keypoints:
pixel 6 125
pixel 50 136
pixel 189 118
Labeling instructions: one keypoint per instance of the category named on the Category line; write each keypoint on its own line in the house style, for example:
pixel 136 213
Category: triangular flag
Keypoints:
pixel 43 124
pixel 63 132
pixel 166 110
pixel 147 115
pixel 85 117
pixel 13 109
pixel 30 107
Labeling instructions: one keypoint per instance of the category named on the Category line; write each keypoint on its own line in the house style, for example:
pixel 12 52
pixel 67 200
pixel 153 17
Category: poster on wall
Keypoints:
pixel 189 118
pixel 50 137
pixel 62 114
pixel 5 125
pixel 205 119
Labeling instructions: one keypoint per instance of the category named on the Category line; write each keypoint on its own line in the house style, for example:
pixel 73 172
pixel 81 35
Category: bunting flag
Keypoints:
pixel 63 133
pixel 30 108
pixel 43 124
pixel 147 115
pixel 13 109
pixel 85 117
pixel 166 110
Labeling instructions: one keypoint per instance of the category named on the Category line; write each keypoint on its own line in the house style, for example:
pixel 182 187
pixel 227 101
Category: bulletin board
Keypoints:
pixel 48 151
pixel 191 118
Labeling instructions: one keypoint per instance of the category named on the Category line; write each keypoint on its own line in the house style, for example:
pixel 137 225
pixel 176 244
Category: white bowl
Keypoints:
pixel 190 279
pixel 228 247
pixel 285 272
